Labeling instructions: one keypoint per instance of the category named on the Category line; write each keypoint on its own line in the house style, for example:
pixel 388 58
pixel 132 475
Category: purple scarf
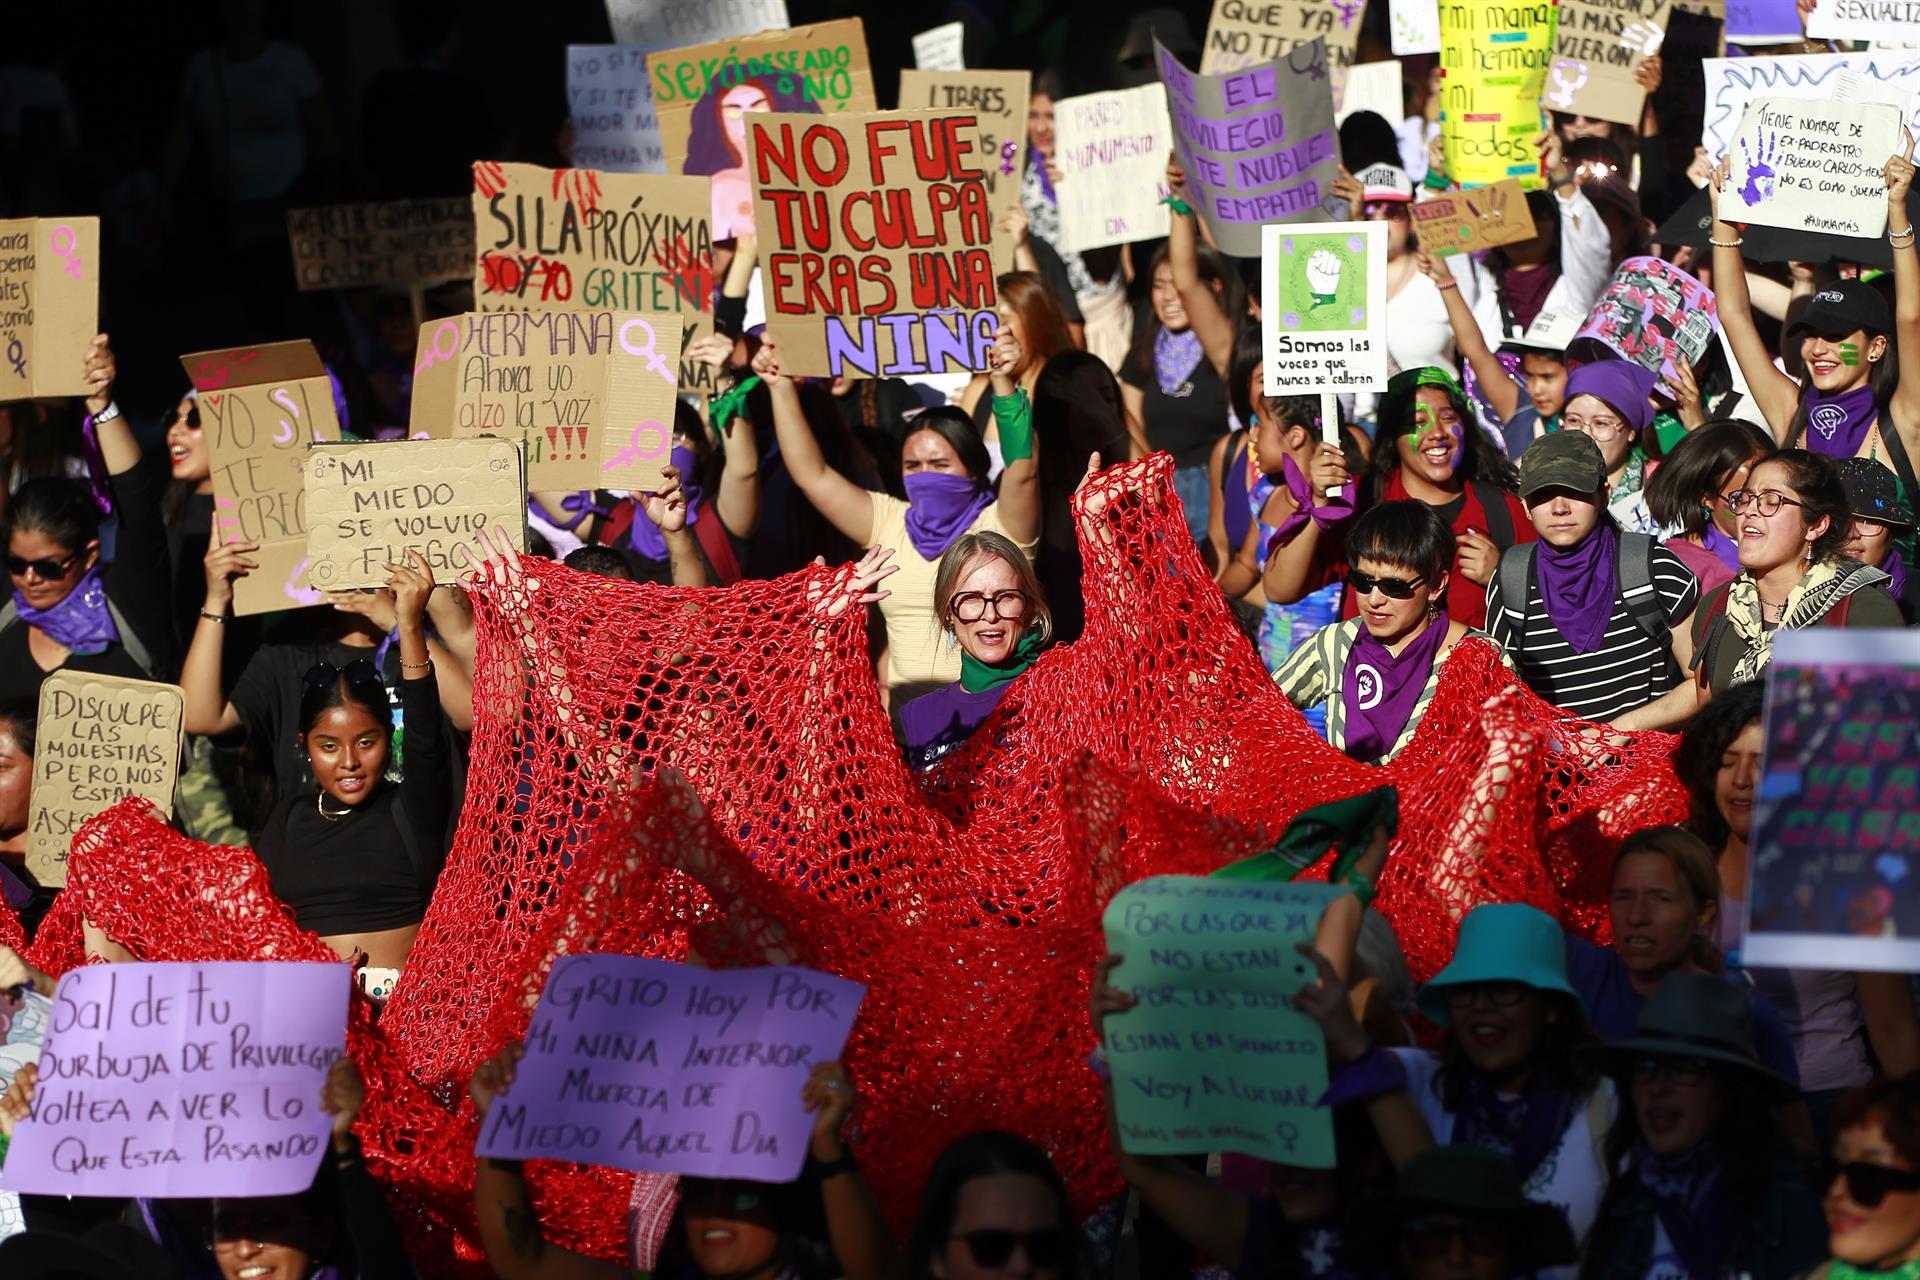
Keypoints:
pixel 80 623
pixel 1324 512
pixel 1379 689
pixel 1690 1199
pixel 941 507
pixel 647 538
pixel 1721 545
pixel 1896 568
pixel 1525 1129
pixel 1175 357
pixel 1837 425
pixel 1579 583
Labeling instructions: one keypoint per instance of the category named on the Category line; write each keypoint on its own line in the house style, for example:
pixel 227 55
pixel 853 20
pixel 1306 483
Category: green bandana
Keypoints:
pixel 1398 399
pixel 978 677
pixel 1838 1270
pixel 1347 826
pixel 725 408
pixel 1014 416
pixel 1178 205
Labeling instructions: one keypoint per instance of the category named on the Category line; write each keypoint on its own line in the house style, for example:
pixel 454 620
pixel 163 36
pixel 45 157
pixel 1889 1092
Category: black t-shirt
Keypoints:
pixel 1187 423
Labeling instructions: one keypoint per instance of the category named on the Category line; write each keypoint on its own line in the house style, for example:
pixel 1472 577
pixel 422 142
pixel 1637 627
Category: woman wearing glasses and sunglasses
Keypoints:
pixel 1705 1183
pixel 991 605
pixel 1791 522
pixel 994 1206
pixel 1873 1198
pixel 1377 673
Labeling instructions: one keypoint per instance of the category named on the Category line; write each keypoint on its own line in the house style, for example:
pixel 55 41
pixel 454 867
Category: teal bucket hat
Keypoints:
pixel 1503 942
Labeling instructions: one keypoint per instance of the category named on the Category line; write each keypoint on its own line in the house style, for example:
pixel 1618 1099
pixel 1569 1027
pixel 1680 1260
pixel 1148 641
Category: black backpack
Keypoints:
pixel 1636 587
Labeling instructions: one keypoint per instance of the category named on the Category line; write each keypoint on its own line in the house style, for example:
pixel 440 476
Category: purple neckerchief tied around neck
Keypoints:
pixel 1175 357
pixel 1525 1128
pixel 1578 584
pixel 941 507
pixel 1838 425
pixel 81 622
pixel 1380 689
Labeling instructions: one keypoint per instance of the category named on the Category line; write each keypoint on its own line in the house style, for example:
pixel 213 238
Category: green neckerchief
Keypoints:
pixel 1178 205
pixel 1014 416
pixel 1632 480
pixel 1346 826
pixel 1838 1270
pixel 978 677
pixel 724 408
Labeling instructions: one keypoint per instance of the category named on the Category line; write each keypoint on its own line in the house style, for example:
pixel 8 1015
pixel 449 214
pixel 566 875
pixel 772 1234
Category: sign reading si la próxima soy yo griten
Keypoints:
pixel 876 242
pixel 1324 312
pixel 668 1068
pixel 187 1080
pixel 1811 166
pixel 1213 1056
pixel 371 503
pixel 99 739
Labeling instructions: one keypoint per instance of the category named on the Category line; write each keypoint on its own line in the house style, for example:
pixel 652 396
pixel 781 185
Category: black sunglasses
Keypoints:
pixel 1391 588
pixel 359 671
pixel 1869 1184
pixel 47 569
pixel 720 1195
pixel 993 1247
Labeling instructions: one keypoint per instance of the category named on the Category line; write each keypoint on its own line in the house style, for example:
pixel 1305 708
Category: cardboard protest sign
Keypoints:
pixel 1256 145
pixel 1653 314
pixel 49 305
pixel 1597 46
pixel 939 49
pixel 1243 33
pixel 370 503
pixel 1469 221
pixel 610 102
pixel 667 1068
pixel 1836 824
pixel 260 407
pixel 998 99
pixel 706 94
pixel 1734 82
pixel 188 1080
pixel 1495 60
pixel 1812 166
pixel 99 740
pixel 578 240
pixel 401 242
pixel 1414 26
pixel 666 23
pixel 1762 22
pixel 876 242
pixel 588 394
pixel 1324 307
pixel 1111 149
pixel 1897 21
pixel 1213 1056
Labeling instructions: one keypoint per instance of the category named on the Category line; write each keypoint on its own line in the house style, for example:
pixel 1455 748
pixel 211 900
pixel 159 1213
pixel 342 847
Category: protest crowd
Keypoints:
pixel 1217 640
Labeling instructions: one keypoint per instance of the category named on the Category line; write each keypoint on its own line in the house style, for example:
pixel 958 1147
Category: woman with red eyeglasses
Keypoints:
pixel 70 609
pixel 1873 1197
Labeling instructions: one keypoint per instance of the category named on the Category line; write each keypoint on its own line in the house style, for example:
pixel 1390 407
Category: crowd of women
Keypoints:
pixel 1627 541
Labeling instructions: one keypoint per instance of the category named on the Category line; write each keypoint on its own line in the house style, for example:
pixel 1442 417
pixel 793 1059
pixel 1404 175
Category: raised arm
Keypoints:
pixel 1403 1131
pixel 845 504
pixel 1210 321
pixel 668 511
pixel 1905 408
pixel 1502 392
pixel 738 501
pixel 862 1242
pixel 1013 414
pixel 1586 249
pixel 1774 392
pixel 207 710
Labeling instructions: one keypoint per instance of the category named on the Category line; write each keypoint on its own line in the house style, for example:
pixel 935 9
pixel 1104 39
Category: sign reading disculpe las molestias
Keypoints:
pixel 99 739
pixel 1324 307
pixel 1811 166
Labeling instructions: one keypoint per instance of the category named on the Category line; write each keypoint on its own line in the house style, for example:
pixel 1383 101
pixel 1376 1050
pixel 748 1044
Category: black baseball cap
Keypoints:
pixel 1872 492
pixel 1841 308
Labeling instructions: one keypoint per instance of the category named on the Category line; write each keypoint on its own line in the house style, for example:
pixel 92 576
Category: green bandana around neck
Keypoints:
pixel 978 677
pixel 1838 1270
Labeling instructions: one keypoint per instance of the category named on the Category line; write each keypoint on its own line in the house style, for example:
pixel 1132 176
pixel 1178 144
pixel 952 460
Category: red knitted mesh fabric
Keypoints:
pixel 968 901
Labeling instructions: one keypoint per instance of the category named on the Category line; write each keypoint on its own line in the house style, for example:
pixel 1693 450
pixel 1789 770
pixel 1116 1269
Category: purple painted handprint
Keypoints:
pixel 1760 175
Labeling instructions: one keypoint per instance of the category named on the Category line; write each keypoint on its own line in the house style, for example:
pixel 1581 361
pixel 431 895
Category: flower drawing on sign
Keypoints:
pixel 1760 174
pixel 1323 276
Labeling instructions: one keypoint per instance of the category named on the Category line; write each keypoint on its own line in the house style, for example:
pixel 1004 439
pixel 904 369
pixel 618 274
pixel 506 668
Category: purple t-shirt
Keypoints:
pixel 935 723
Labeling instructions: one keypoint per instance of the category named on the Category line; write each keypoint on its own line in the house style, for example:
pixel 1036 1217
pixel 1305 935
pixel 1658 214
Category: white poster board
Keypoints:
pixel 672 24
pixel 1373 86
pixel 610 101
pixel 1811 166
pixel 1892 20
pixel 1112 152
pixel 1324 312
pixel 940 48
pixel 1414 26
pixel 1733 82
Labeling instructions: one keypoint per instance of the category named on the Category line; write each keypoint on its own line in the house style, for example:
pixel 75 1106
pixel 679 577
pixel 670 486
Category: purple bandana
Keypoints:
pixel 80 623
pixel 1379 689
pixel 1579 583
pixel 1325 512
pixel 647 538
pixel 1175 357
pixel 1526 1129
pixel 1896 568
pixel 941 507
pixel 1721 545
pixel 1690 1199
pixel 1837 425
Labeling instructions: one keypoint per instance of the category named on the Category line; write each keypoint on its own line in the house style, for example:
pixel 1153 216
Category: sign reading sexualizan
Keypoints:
pixel 49 305
pixel 876 242
pixel 218 1088
pixel 99 739
pixel 582 240
pixel 590 394
pixel 351 246
pixel 370 503
pixel 260 407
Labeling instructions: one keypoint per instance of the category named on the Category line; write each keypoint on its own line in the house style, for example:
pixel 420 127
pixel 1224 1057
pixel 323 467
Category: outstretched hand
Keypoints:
pixel 1326 1002
pixel 830 1095
pixel 868 571
pixel 411 584
pixel 495 562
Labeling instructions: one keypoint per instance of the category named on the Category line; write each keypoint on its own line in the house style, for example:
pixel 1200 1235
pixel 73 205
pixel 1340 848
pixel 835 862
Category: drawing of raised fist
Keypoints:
pixel 1323 276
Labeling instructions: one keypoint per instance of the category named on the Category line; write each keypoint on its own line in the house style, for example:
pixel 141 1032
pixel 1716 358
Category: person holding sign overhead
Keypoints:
pixel 944 467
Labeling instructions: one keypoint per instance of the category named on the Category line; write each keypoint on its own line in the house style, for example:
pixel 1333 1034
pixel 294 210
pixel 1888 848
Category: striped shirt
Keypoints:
pixel 1628 670
pixel 1313 672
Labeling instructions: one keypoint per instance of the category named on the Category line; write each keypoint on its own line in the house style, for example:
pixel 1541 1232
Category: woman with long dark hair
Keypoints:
pixel 994 1205
pixel 1687 495
pixel 1028 309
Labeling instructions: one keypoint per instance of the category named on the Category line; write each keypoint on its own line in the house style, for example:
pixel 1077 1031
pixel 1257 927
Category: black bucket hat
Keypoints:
pixel 1473 1182
pixel 1693 1015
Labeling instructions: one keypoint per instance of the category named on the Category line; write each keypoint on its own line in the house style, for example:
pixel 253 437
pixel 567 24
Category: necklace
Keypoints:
pixel 1769 606
pixel 320 807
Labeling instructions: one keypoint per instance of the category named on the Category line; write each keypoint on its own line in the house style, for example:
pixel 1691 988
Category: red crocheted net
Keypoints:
pixel 779 825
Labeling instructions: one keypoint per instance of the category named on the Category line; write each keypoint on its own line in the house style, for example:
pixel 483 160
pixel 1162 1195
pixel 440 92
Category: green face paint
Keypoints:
pixel 1849 354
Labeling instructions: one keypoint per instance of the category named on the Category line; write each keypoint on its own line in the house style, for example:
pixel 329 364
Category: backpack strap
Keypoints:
pixel 1493 501
pixel 1515 576
pixel 129 638
pixel 1638 590
pixel 1713 614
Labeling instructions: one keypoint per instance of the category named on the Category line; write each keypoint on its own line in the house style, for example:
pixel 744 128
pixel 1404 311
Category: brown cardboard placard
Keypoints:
pixel 397 242
pixel 876 244
pixel 99 739
pixel 369 503
pixel 49 305
pixel 1468 221
pixel 999 100
pixel 260 408
pixel 821 68
pixel 1246 33
pixel 589 393
pixel 583 240
pixel 1596 48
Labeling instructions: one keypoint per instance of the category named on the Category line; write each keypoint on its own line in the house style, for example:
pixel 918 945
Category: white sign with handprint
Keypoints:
pixel 1811 166
pixel 1324 288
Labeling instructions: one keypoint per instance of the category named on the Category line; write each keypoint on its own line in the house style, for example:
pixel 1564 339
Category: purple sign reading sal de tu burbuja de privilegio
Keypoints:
pixel 660 1067
pixel 183 1080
